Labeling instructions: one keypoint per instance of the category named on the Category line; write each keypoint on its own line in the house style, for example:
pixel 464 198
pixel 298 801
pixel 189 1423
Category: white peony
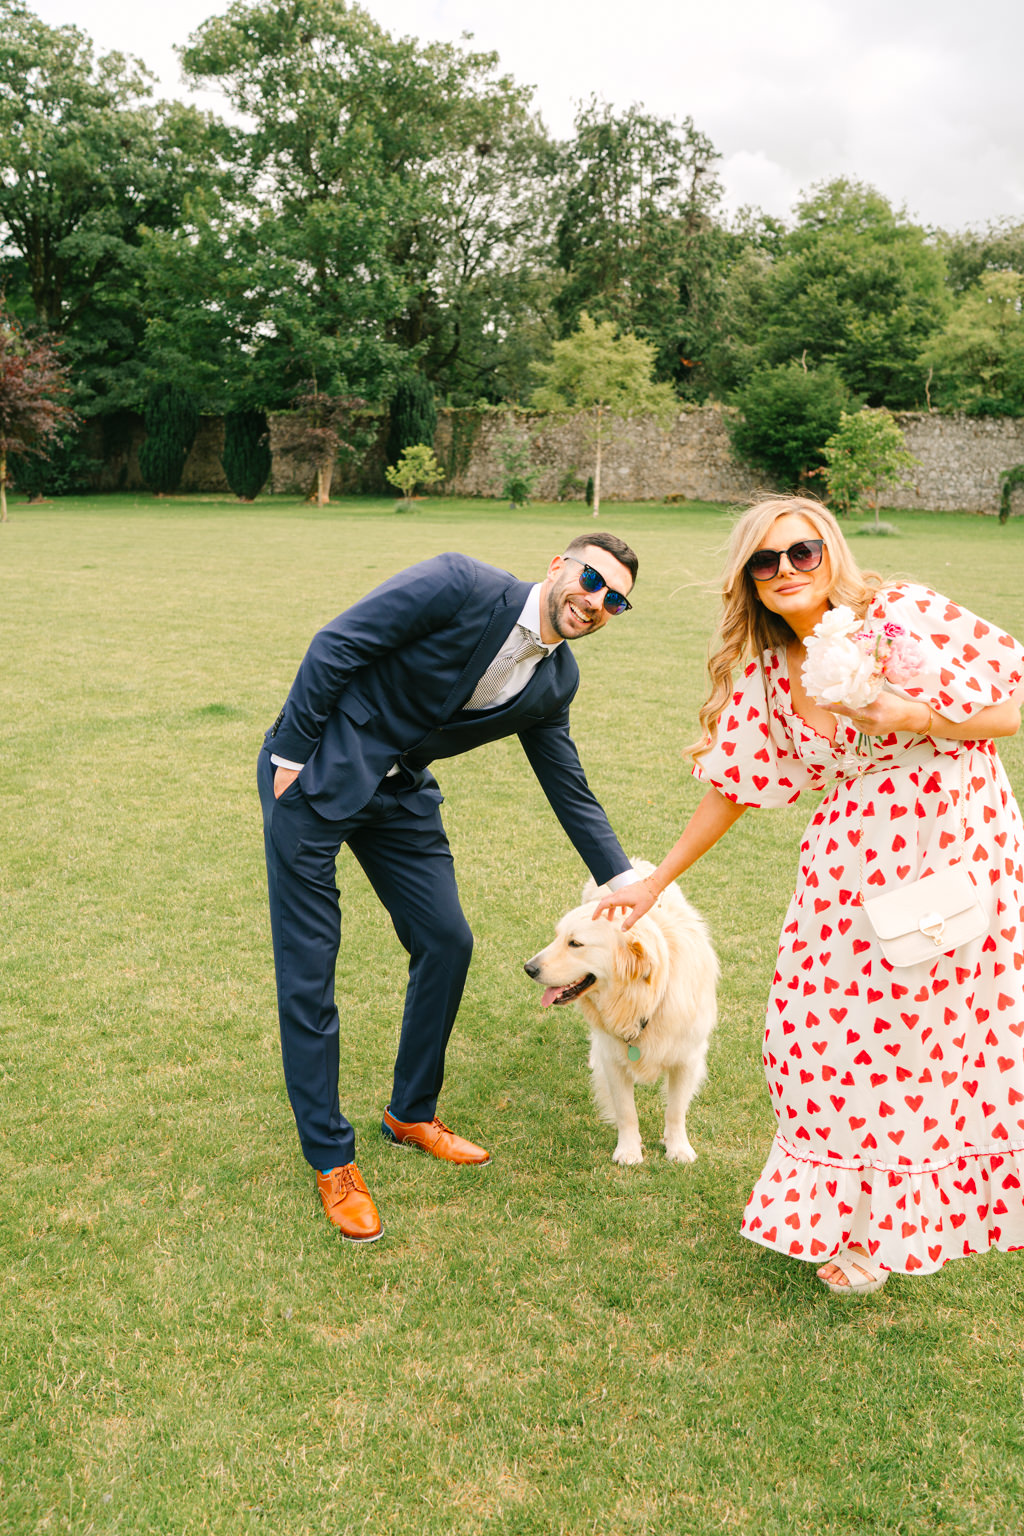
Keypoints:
pixel 837 621
pixel 838 672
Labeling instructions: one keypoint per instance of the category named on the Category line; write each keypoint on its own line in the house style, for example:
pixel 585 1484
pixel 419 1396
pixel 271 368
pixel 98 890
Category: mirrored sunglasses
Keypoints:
pixel 593 581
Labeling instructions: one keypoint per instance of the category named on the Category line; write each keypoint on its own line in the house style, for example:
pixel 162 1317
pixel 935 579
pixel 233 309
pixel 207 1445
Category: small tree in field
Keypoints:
pixel 518 473
pixel 865 453
pixel 594 370
pixel 331 432
pixel 417 466
pixel 33 383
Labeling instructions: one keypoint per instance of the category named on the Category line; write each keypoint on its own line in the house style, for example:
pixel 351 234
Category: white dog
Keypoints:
pixel 649 998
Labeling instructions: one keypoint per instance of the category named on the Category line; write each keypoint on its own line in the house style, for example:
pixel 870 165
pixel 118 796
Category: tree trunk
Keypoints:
pixel 597 465
pixel 324 476
pixel 3 487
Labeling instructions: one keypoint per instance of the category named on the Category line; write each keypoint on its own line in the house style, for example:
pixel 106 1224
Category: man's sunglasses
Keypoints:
pixel 805 556
pixel 593 581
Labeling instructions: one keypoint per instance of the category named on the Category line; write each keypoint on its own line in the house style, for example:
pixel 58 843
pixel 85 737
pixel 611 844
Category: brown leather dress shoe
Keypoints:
pixel 347 1203
pixel 433 1137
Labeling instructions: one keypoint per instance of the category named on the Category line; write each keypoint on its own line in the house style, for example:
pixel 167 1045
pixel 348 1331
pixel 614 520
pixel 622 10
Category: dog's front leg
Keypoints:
pixel 681 1085
pixel 629 1148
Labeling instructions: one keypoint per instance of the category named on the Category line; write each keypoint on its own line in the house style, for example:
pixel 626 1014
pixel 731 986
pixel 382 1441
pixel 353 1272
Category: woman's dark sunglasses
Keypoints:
pixel 805 556
pixel 593 581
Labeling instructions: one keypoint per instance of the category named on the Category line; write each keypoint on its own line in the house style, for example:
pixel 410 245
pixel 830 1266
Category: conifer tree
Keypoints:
pixel 172 421
pixel 246 457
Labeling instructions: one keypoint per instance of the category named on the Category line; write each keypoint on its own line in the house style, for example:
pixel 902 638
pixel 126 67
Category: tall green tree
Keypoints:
pixel 856 285
pixel 376 194
pixel 87 161
pixel 977 362
pixel 606 375
pixel 638 237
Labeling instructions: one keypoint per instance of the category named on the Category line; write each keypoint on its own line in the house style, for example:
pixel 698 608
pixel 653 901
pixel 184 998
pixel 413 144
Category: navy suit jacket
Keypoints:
pixel 386 682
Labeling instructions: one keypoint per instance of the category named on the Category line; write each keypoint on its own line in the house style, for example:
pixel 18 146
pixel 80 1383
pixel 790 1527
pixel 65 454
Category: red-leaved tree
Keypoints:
pixel 33 386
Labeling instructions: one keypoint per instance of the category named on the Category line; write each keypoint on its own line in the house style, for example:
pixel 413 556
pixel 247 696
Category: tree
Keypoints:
pixel 87 161
pixel 246 459
pixel 607 376
pixel 786 415
pixel 172 421
pixel 854 285
pixel 372 200
pixel 637 237
pixel 417 466
pixel 413 416
pixel 978 359
pixel 33 387
pixel 866 452
pixel 518 475
pixel 332 430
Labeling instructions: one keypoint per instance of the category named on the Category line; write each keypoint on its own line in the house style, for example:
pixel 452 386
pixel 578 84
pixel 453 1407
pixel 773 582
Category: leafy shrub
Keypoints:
pixel 570 485
pixel 787 414
pixel 518 474
pixel 67 469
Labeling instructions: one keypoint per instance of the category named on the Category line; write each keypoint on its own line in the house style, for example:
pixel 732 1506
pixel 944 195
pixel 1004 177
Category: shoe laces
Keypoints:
pixel 343 1180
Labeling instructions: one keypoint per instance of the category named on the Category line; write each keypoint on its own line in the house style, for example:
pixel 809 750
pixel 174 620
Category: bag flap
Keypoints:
pixel 949 893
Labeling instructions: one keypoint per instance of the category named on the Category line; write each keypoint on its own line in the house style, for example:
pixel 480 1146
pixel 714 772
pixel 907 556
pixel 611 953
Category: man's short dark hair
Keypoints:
pixel 615 546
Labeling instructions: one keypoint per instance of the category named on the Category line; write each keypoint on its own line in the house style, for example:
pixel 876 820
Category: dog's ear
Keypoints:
pixel 634 963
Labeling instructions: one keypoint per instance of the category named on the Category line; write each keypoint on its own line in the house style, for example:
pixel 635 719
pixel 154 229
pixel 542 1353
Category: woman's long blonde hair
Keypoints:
pixel 747 627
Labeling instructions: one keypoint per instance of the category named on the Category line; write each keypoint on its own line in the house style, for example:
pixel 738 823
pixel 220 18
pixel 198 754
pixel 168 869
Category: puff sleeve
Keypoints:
pixel 969 663
pixel 753 761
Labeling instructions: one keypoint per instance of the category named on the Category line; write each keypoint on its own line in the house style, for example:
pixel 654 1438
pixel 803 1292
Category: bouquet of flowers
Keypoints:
pixel 849 663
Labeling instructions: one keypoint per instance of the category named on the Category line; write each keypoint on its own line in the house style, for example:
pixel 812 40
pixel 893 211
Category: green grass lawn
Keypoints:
pixel 550 1345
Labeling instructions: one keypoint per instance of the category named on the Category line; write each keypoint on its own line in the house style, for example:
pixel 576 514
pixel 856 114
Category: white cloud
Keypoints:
pixel 919 97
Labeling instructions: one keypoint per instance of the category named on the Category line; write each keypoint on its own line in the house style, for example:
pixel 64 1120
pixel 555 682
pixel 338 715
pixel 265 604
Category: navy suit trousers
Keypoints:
pixel 409 864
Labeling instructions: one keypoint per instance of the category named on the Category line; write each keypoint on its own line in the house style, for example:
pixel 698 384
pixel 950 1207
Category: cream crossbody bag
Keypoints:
pixel 931 916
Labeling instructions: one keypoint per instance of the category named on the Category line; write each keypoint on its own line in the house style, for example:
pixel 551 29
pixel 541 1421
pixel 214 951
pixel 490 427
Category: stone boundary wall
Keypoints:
pixel 640 461
pixel 961 458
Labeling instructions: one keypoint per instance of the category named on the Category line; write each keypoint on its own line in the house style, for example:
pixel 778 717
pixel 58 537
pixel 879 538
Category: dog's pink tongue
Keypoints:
pixel 550 994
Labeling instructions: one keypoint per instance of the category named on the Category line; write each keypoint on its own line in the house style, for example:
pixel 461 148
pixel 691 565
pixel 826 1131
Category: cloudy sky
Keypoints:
pixel 922 98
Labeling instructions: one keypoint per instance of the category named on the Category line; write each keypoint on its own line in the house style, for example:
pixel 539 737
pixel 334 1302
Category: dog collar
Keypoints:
pixel 633 1052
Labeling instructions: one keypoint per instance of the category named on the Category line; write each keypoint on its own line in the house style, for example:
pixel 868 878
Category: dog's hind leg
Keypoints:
pixel 681 1084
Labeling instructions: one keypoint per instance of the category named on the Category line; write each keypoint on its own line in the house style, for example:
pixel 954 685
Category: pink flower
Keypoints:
pixel 906 659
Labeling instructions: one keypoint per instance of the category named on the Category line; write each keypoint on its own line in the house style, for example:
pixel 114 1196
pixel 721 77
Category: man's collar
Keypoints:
pixel 530 617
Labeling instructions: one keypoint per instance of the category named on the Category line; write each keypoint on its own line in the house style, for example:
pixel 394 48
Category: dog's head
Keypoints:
pixel 618 977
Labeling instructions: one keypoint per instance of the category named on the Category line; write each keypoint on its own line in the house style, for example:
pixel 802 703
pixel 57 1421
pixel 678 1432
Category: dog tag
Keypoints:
pixel 633 1053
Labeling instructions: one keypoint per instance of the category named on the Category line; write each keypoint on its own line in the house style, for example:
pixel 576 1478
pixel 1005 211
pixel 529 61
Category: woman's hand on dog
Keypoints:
pixel 634 900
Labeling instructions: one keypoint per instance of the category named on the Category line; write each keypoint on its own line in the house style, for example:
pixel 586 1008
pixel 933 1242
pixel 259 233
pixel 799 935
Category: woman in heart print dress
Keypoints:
pixel 899 1092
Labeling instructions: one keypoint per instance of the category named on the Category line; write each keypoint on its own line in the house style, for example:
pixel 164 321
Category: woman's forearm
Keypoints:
pixel 710 821
pixel 995 720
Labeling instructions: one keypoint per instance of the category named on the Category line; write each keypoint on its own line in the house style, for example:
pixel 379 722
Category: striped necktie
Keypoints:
pixel 501 669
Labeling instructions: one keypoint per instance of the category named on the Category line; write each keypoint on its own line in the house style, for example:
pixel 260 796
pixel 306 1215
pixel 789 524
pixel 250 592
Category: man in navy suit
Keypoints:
pixel 439 659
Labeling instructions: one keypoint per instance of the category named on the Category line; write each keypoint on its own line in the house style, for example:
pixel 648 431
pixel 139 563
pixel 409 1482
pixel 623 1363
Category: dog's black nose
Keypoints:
pixel 531 968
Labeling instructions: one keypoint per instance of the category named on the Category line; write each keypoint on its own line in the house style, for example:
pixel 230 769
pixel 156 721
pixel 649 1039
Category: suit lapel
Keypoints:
pixel 503 619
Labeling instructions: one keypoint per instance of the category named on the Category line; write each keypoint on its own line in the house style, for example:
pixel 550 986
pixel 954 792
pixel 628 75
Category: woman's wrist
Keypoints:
pixel 924 727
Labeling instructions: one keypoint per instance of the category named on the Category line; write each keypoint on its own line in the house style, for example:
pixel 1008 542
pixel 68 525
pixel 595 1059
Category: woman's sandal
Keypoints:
pixel 862 1278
